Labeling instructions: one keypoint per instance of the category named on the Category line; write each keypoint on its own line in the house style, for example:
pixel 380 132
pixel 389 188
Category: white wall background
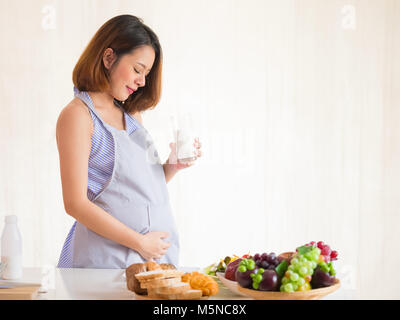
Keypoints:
pixel 298 109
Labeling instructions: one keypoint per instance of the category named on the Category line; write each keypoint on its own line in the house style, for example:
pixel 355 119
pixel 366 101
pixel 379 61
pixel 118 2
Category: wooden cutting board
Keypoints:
pixel 22 293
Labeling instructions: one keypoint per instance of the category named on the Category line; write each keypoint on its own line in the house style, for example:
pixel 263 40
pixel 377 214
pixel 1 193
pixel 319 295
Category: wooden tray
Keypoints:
pixel 297 295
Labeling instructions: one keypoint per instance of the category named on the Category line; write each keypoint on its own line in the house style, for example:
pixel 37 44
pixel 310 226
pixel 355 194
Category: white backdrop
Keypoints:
pixel 297 108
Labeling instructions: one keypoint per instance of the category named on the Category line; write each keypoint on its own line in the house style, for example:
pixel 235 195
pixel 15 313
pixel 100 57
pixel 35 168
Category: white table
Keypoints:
pixel 103 284
pixel 91 284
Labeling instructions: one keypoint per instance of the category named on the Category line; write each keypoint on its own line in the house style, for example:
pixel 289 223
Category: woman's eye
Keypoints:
pixel 136 70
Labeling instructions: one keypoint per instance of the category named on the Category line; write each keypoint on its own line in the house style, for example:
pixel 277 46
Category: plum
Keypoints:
pixel 244 279
pixel 321 279
pixel 270 281
pixel 230 271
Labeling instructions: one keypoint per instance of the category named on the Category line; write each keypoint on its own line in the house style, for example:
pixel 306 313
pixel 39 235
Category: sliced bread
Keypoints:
pixel 186 295
pixel 158 274
pixel 175 288
pixel 158 283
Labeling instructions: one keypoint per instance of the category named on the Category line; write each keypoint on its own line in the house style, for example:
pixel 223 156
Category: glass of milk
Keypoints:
pixel 184 136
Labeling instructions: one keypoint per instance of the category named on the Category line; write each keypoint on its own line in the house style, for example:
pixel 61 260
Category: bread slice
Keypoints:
pixel 157 283
pixel 190 294
pixel 151 280
pixel 159 274
pixel 186 295
pixel 151 293
pixel 176 288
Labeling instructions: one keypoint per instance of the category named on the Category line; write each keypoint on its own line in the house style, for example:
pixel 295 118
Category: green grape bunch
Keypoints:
pixel 299 273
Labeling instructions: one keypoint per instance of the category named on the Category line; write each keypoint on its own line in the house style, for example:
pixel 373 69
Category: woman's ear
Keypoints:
pixel 109 58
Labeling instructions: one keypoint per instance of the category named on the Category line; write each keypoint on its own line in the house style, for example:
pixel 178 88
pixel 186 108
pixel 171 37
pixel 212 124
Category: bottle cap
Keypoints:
pixel 11 219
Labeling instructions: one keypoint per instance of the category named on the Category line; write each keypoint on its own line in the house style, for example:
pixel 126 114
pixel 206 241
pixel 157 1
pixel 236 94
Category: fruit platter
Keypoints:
pixel 307 273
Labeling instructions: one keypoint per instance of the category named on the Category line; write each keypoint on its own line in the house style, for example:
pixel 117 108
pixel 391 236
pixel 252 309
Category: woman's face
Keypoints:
pixel 130 72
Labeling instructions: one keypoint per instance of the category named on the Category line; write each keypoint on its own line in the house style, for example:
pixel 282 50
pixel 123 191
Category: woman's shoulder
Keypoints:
pixel 76 106
pixel 75 114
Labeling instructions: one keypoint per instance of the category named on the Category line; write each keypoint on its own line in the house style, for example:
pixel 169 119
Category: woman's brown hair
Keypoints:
pixel 123 34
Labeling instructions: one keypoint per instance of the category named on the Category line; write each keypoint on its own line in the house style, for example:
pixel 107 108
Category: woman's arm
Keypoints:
pixel 169 171
pixel 74 131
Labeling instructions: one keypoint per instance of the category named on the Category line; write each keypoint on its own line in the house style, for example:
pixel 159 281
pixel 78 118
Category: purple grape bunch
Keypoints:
pixel 266 261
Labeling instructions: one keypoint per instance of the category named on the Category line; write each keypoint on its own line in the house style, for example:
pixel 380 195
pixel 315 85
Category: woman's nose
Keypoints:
pixel 141 81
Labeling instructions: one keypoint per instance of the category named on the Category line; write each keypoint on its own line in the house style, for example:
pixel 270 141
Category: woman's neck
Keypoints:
pixel 102 100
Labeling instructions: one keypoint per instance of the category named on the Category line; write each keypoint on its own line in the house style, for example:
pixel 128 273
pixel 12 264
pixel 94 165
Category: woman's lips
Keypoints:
pixel 130 90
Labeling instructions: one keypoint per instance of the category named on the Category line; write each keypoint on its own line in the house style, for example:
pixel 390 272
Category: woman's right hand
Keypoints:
pixel 152 246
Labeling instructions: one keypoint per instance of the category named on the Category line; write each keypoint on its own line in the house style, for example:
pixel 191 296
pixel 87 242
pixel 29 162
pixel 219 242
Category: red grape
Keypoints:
pixel 264 256
pixel 266 260
pixel 334 255
pixel 326 250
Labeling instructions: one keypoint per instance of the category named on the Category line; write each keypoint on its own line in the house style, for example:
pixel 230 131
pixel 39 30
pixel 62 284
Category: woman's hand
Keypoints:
pixel 173 160
pixel 172 166
pixel 152 246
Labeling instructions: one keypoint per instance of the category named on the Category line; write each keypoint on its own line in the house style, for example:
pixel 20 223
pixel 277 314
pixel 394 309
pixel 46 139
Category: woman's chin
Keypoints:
pixel 121 97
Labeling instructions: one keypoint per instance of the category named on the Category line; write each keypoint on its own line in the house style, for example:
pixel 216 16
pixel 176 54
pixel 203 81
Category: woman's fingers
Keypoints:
pixel 197 144
pixel 166 245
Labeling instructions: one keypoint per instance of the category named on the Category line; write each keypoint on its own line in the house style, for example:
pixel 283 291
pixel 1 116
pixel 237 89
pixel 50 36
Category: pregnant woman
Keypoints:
pixel 114 184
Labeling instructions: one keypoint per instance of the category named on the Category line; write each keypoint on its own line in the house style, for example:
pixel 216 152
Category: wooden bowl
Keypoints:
pixel 297 295
pixel 231 285
pixel 287 255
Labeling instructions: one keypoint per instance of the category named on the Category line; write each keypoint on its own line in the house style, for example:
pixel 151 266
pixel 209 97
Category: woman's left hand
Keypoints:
pixel 173 161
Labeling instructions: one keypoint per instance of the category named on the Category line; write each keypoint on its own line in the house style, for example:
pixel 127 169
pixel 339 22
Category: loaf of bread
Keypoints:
pixel 164 281
pixel 151 265
pixel 133 283
pixel 167 266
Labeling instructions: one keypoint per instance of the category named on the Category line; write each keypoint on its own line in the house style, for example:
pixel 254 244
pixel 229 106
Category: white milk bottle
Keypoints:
pixel 11 250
